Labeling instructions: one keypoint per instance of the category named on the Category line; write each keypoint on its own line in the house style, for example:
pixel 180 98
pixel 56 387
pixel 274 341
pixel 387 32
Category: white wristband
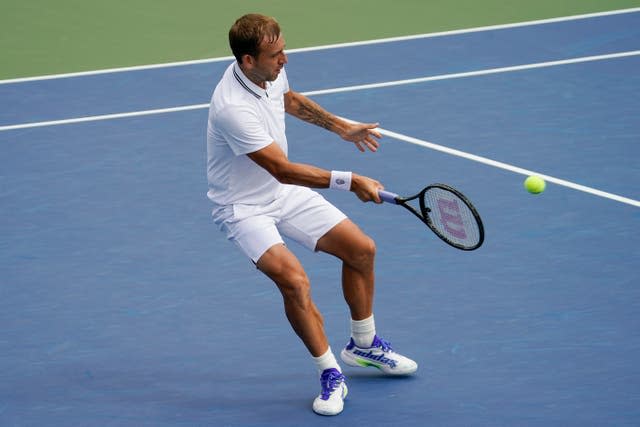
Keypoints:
pixel 340 180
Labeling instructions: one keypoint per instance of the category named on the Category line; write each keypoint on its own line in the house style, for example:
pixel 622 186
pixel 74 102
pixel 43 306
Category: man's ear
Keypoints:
pixel 248 60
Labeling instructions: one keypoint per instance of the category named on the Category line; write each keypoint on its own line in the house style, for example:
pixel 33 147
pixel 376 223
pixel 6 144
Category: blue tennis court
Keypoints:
pixel 121 304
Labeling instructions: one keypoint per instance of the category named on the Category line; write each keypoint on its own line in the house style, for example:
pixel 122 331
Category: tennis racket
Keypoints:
pixel 447 212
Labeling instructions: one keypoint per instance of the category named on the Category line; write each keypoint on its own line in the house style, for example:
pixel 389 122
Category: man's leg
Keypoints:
pixel 284 268
pixel 357 252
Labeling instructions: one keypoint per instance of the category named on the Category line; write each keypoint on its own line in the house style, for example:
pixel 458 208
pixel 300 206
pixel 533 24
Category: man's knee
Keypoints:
pixel 350 244
pixel 369 247
pixel 363 254
pixel 293 283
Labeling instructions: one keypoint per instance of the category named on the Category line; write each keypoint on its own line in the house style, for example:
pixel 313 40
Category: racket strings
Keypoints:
pixel 451 218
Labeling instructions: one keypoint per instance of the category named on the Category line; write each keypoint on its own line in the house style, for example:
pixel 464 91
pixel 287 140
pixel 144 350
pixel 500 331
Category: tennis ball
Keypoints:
pixel 534 184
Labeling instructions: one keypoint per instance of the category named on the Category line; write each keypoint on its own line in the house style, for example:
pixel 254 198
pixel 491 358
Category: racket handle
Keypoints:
pixel 388 196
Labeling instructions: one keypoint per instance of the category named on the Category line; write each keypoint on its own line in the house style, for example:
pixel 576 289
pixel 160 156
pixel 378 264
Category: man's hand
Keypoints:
pixel 366 188
pixel 363 135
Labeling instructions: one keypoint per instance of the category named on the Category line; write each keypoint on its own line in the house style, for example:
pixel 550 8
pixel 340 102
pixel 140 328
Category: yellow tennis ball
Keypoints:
pixel 534 184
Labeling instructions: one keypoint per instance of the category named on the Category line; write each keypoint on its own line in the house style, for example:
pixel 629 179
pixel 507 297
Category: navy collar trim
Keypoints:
pixel 244 84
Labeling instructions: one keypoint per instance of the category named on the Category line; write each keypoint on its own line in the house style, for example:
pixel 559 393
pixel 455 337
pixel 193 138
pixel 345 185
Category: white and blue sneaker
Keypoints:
pixel 334 390
pixel 379 355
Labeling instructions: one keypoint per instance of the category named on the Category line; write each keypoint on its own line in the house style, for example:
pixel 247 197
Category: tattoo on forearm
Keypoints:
pixel 312 113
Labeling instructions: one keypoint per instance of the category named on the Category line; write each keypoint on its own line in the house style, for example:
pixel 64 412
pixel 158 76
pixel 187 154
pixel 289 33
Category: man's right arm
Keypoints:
pixel 274 161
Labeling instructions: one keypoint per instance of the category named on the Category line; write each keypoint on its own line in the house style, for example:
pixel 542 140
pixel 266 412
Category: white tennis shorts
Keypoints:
pixel 298 213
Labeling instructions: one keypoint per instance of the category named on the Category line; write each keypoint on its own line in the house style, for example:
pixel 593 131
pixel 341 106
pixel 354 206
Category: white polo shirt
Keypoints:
pixel 243 118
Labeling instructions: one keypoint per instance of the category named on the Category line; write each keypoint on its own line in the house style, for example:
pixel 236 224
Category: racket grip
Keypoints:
pixel 388 196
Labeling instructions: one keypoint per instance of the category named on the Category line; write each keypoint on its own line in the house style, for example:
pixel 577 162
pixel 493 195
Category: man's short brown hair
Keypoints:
pixel 248 32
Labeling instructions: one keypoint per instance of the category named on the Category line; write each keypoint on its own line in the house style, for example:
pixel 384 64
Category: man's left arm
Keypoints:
pixel 361 134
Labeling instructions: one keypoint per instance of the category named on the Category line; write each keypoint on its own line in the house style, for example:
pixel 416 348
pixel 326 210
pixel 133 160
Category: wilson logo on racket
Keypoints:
pixel 456 221
pixel 451 218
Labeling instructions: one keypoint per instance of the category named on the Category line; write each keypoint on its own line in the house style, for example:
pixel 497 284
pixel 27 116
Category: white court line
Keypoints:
pixel 104 117
pixel 509 167
pixel 477 73
pixel 330 46
pixel 335 90
pixel 396 135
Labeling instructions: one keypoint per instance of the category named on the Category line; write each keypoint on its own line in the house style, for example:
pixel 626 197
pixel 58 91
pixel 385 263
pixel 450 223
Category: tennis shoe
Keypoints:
pixel 334 390
pixel 379 355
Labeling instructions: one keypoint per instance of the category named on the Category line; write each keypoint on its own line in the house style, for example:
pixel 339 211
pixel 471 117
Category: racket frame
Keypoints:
pixel 423 215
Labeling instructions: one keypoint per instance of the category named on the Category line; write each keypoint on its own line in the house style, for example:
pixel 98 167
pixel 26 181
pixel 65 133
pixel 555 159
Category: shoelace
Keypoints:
pixel 382 343
pixel 329 381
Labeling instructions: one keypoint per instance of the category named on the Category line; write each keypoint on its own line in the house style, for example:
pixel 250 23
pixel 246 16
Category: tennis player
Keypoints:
pixel 260 196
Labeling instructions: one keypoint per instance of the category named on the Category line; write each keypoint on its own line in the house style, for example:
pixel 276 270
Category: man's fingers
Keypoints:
pixel 372 143
pixel 375 133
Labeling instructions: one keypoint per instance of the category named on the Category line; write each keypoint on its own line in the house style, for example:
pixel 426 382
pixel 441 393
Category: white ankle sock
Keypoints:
pixel 363 331
pixel 326 361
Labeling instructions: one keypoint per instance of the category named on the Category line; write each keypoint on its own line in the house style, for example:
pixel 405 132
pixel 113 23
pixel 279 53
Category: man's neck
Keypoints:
pixel 252 77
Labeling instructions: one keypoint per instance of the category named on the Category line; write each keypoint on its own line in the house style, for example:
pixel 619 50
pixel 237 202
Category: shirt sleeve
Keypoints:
pixel 242 130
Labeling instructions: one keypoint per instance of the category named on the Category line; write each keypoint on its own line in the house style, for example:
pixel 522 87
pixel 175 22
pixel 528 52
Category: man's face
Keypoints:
pixel 270 60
